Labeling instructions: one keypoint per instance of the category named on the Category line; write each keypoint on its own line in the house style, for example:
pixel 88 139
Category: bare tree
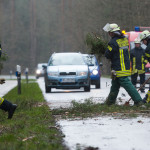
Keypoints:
pixel 33 32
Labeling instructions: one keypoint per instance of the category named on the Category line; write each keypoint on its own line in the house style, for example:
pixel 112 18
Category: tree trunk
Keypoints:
pixel 33 32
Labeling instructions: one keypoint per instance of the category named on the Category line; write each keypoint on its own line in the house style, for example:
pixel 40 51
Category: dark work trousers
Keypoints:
pixel 127 85
pixel 134 79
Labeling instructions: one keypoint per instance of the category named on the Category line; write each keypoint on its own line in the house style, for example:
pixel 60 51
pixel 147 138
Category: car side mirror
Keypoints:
pixel 44 66
pixel 101 64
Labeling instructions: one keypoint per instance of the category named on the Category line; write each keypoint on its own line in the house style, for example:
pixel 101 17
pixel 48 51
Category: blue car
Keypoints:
pixel 67 71
pixel 94 69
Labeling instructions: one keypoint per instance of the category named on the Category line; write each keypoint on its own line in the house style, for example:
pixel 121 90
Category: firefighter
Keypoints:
pixel 137 55
pixel 145 38
pixel 4 104
pixel 118 53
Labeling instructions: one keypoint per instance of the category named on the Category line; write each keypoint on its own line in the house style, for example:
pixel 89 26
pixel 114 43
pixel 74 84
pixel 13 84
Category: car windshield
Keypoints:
pixel 90 60
pixel 66 59
pixel 132 45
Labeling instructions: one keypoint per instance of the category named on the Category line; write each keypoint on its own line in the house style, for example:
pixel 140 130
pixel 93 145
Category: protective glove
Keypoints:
pixel 2 81
pixel 113 74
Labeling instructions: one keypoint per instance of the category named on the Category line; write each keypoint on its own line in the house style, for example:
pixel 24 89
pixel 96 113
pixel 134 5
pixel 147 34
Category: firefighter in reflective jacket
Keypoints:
pixel 4 104
pixel 145 38
pixel 137 55
pixel 118 53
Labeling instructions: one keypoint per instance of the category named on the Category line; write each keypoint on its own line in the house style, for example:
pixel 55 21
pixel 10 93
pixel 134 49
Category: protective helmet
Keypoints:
pixel 144 35
pixel 111 27
pixel 137 40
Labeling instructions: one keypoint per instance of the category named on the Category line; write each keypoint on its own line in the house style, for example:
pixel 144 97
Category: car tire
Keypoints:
pixel 37 77
pixel 97 84
pixel 87 88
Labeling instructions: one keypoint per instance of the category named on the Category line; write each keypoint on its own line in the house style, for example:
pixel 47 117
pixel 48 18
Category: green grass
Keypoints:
pixel 33 126
pixel 91 109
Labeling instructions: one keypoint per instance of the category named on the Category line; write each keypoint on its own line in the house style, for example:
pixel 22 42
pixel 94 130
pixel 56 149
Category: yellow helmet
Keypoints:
pixel 111 27
pixel 144 34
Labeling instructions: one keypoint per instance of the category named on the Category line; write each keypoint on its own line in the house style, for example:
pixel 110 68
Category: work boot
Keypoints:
pixel 8 106
pixel 11 111
pixel 142 90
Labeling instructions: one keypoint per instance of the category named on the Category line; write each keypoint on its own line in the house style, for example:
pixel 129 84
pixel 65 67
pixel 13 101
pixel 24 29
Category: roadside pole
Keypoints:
pixel 18 74
pixel 10 74
pixel 26 73
pixel 101 67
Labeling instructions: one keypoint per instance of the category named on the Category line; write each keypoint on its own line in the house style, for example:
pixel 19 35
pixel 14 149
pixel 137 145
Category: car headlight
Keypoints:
pixel 53 74
pixel 82 73
pixel 95 72
pixel 38 71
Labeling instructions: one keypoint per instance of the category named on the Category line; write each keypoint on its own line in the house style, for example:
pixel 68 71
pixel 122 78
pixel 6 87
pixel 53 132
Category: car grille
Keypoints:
pixel 67 73
pixel 68 83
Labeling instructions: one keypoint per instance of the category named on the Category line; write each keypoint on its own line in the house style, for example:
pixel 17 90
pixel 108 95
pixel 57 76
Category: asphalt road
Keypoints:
pixel 62 98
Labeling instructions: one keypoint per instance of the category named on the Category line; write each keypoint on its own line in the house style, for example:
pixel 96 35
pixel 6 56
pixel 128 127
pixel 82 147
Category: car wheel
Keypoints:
pixel 37 77
pixel 98 84
pixel 87 88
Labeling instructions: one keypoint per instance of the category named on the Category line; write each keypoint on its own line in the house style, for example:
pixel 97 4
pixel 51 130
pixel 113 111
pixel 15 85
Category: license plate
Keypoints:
pixel 68 80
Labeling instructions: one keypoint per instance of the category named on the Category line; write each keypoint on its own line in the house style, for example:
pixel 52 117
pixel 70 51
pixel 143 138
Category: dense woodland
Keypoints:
pixel 31 30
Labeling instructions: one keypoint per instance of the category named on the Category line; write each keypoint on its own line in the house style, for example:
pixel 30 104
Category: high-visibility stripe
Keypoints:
pixel 142 60
pixel 148 97
pixel 123 73
pixel 148 55
pixel 134 61
pixel 146 61
pixel 1 100
pixel 141 71
pixel 110 48
pixel 122 60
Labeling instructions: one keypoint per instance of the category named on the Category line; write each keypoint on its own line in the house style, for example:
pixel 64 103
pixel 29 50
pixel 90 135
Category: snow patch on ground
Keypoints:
pixel 107 133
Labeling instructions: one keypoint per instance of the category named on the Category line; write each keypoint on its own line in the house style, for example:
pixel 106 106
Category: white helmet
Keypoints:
pixel 137 40
pixel 144 34
pixel 111 27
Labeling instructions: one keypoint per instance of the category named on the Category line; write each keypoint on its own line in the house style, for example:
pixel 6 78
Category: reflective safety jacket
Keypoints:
pixel 147 52
pixel 137 60
pixel 147 97
pixel 118 52
pixel 1 100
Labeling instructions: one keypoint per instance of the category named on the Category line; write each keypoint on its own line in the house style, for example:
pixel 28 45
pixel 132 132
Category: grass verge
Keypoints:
pixel 91 109
pixel 33 126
